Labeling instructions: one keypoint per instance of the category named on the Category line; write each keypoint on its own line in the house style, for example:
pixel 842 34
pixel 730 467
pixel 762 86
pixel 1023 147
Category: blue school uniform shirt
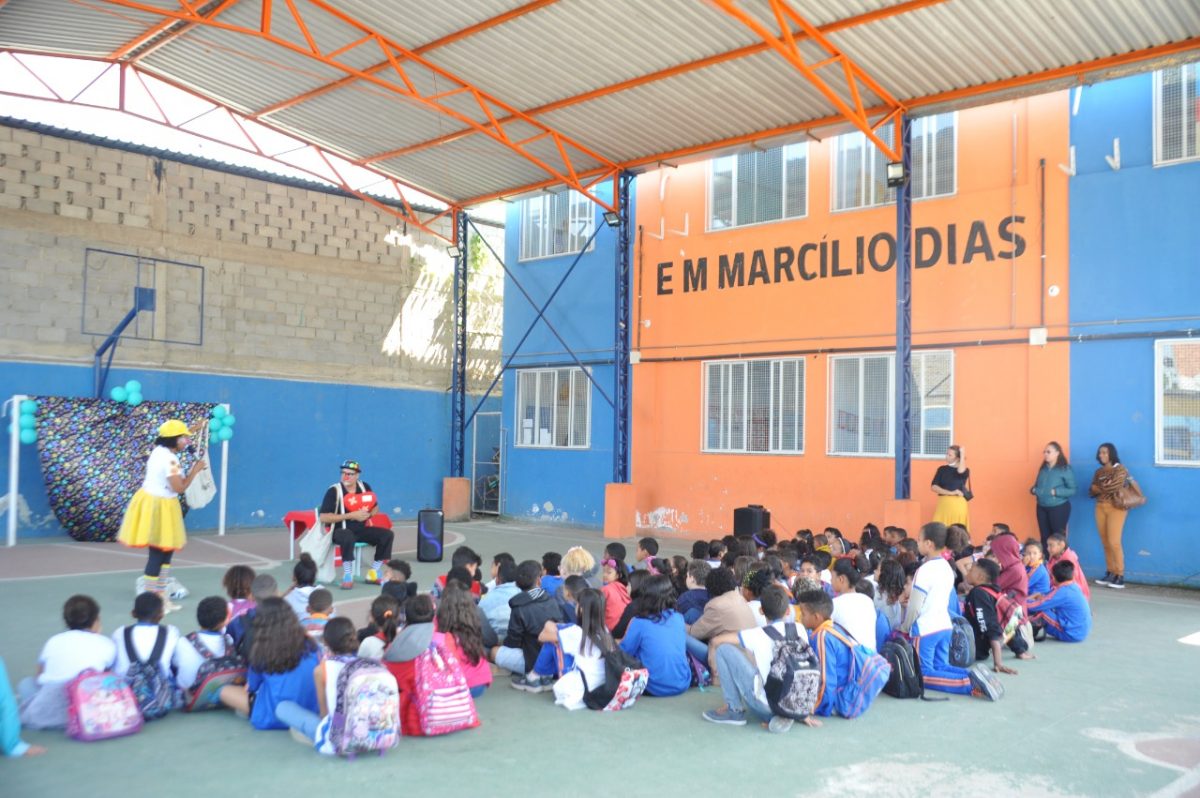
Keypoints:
pixel 1069 609
pixel 660 645
pixel 836 661
pixel 1039 581
pixel 883 628
pixel 551 584
pixel 269 689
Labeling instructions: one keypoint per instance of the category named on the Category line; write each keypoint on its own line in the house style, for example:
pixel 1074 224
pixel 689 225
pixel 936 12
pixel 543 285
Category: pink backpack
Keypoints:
pixel 100 706
pixel 444 702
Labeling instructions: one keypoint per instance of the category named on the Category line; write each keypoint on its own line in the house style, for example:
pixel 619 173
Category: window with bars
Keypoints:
pixel 1177 402
pixel 554 408
pixel 758 186
pixel 862 402
pixel 1177 114
pixel 859 167
pixel 754 406
pixel 555 224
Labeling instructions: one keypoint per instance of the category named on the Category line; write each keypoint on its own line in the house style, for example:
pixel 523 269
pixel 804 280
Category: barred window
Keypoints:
pixel 558 223
pixel 554 408
pixel 859 167
pixel 1177 114
pixel 758 186
pixel 862 402
pixel 1177 402
pixel 754 406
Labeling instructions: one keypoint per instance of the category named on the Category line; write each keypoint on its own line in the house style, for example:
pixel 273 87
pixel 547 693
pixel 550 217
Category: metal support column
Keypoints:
pixel 143 299
pixel 903 371
pixel 622 400
pixel 458 377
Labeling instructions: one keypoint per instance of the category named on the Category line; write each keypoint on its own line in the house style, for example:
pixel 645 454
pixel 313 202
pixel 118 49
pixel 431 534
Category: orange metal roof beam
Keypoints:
pixel 458 35
pixel 670 72
pixel 142 39
pixel 487 103
pixel 954 95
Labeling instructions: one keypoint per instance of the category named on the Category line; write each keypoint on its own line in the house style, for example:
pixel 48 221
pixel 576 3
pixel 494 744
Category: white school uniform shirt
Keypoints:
pixel 762 647
pixel 568 691
pixel 756 611
pixel 855 612
pixel 935 578
pixel 144 635
pixel 162 464
pixel 297 599
pixel 187 660
pixel 70 653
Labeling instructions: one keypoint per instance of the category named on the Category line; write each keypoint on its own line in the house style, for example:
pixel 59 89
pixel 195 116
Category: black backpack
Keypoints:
pixel 794 682
pixel 906 680
pixel 962 642
pixel 625 678
pixel 154 691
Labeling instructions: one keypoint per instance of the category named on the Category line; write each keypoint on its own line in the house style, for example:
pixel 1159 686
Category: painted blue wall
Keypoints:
pixel 560 485
pixel 1135 259
pixel 290 439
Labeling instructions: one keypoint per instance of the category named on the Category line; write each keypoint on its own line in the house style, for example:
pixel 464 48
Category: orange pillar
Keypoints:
pixel 620 518
pixel 456 498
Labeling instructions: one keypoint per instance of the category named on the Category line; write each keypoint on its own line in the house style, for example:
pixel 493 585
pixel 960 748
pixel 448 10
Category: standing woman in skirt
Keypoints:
pixel 154 517
pixel 950 485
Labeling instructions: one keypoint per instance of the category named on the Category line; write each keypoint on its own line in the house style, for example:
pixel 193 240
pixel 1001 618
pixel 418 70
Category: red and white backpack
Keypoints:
pixel 444 702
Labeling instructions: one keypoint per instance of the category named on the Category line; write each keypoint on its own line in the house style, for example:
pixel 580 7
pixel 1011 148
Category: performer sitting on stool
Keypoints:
pixel 349 504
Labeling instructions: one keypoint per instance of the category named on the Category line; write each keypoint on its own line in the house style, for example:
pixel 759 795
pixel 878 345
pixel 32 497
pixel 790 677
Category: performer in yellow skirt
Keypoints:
pixel 154 517
pixel 952 484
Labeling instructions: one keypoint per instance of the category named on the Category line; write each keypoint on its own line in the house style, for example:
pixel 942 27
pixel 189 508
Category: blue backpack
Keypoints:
pixel 869 673
pixel 962 642
pixel 154 691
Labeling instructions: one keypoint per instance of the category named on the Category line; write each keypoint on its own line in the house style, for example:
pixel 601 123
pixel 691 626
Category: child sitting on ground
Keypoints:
pixel 43 698
pixel 636 580
pixel 617 551
pixel 890 579
pixel 716 553
pixel 551 578
pixel 411 641
pixel 994 616
pixel 647 549
pixel 691 602
pixel 758 578
pixel 304 582
pixel 387 614
pixel 280 667
pixel 1064 614
pixel 137 641
pixel 743 661
pixel 11 744
pixel 459 631
pixel 1056 547
pixel 699 550
pixel 1035 568
pixel 727 612
pixel 815 608
pixel 262 587
pixel 397 576
pixel 211 614
pixel 615 590
pixel 657 636
pixel 531 608
pixel 237 582
pixel 852 610
pixel 552 661
pixel 502 557
pixel 495 602
pixel 317 614
pixel 463 557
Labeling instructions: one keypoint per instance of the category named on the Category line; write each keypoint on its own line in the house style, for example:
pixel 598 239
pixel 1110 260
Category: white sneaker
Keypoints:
pixel 175 588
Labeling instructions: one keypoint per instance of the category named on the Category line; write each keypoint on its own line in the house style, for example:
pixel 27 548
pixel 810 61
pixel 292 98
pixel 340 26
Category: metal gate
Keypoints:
pixel 487 452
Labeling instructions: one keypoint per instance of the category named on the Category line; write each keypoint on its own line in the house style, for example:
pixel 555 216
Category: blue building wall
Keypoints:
pixel 560 485
pixel 1135 271
pixel 289 440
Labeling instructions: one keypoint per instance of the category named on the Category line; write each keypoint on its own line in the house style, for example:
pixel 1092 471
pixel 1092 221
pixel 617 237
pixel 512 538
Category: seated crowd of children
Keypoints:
pixel 724 615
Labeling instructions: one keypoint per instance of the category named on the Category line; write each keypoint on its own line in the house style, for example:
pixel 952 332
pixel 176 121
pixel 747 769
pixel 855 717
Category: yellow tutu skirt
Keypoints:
pixel 952 510
pixel 153 521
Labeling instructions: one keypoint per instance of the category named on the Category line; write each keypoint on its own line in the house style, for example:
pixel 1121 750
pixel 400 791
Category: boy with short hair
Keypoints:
pixel 726 611
pixel 691 602
pixel 1056 547
pixel 551 578
pixel 716 552
pixel 699 550
pixel 396 580
pixel 743 660
pixel 43 698
pixel 211 614
pixel 494 603
pixel 815 608
pixel 148 612
pixel 1064 614
pixel 463 557
pixel 647 549
pixel 927 619
pixel 1035 568
pixel 994 618
pixel 530 610
pixel 319 611
pixel 503 556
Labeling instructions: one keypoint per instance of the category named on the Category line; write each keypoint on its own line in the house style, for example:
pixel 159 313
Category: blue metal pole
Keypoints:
pixel 458 378
pixel 143 299
pixel 621 408
pixel 903 389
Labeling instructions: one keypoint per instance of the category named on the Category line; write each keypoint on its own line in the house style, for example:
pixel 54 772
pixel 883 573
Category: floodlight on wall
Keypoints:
pixel 453 252
pixel 612 218
pixel 895 174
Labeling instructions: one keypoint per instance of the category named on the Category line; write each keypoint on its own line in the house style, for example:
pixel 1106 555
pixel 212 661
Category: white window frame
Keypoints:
pixel 889 195
pixel 918 365
pixel 580 210
pixel 519 408
pixel 774 433
pixel 1159 415
pixel 708 211
pixel 1158 123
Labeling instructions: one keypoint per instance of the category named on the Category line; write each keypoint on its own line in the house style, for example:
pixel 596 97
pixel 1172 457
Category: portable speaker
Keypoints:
pixel 751 520
pixel 430 535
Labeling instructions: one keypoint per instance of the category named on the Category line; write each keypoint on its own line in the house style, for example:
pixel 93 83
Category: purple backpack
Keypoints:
pixel 100 706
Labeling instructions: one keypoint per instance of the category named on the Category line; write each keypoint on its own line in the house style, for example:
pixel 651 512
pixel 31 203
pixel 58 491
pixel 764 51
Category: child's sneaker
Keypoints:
pixel 347 583
pixel 1104 580
pixel 170 606
pixel 984 683
pixel 533 683
pixel 727 716
pixel 779 724
pixel 1117 583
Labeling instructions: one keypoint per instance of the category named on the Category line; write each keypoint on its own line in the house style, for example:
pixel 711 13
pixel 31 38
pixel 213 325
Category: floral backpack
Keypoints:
pixel 100 706
pixel 367 715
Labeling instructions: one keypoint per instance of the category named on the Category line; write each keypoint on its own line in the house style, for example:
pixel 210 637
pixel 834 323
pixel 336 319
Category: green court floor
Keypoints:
pixel 1117 715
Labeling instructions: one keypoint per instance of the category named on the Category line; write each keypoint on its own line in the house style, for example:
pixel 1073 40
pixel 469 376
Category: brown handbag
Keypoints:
pixel 1129 496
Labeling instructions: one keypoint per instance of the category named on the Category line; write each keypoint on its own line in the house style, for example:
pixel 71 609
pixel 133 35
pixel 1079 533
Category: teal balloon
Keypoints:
pixel 133 386
pixel 225 434
pixel 26 421
pixel 134 399
pixel 229 420
pixel 28 407
pixel 213 438
pixel 219 411
pixel 118 394
pixel 28 435
pixel 216 423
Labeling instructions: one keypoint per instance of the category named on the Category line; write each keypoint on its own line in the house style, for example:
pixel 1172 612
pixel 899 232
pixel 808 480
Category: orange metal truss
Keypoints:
pixel 250 143
pixel 494 110
pixel 158 35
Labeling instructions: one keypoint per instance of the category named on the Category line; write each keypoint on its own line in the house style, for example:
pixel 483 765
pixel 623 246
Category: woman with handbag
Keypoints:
pixel 1054 487
pixel 1107 485
pixel 952 484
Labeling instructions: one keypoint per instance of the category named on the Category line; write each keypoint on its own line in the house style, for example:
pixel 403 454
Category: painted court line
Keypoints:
pixel 1191 640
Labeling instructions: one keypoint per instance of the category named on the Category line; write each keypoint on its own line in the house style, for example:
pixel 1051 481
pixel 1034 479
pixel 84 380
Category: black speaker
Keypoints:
pixel 751 520
pixel 430 535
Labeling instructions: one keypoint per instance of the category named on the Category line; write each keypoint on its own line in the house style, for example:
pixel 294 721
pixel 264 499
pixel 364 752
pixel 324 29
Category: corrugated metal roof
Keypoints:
pixel 571 53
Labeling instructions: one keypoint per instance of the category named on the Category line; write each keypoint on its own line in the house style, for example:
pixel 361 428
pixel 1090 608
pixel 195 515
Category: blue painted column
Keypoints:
pixel 903 374
pixel 458 376
pixel 621 398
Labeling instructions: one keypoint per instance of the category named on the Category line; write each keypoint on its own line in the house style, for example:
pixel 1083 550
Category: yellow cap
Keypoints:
pixel 173 429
